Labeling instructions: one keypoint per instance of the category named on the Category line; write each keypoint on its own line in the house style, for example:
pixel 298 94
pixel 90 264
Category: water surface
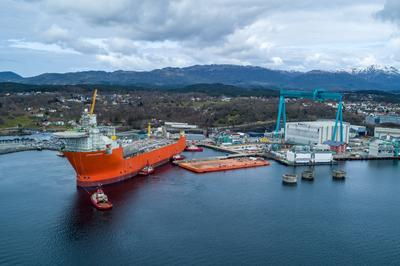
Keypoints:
pixel 177 217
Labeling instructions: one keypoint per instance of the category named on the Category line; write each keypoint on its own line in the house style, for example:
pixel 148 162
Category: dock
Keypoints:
pixel 223 149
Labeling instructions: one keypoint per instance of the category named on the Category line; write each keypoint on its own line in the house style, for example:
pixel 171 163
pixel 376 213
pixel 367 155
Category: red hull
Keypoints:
pixel 197 149
pixel 108 204
pixel 146 173
pixel 96 168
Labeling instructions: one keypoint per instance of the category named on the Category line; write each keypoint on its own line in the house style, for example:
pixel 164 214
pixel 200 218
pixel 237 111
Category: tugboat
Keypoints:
pixel 177 157
pixel 148 169
pixel 193 148
pixel 60 154
pixel 100 200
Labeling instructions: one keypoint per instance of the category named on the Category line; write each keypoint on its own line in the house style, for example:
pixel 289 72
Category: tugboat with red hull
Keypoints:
pixel 193 148
pixel 148 169
pixel 177 157
pixel 100 200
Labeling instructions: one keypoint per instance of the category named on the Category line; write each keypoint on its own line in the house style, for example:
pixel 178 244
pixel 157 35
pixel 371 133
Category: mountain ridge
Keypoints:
pixel 371 77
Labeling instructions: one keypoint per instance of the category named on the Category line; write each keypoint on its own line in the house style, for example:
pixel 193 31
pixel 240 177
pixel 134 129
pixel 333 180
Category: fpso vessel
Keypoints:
pixel 99 159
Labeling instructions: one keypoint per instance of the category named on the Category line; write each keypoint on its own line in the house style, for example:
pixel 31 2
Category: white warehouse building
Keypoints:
pixel 315 132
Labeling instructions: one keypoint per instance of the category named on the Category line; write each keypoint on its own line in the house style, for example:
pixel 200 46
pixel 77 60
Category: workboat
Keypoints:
pixel 148 169
pixel 98 157
pixel 193 148
pixel 177 157
pixel 100 200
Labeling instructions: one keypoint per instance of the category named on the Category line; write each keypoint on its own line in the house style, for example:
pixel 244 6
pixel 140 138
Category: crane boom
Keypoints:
pixel 317 95
pixel 94 100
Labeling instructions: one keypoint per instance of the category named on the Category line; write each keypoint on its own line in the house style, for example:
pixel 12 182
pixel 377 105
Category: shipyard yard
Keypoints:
pixel 224 210
pixel 301 191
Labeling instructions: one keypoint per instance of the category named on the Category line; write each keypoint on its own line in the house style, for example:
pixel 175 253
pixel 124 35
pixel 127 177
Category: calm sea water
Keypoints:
pixel 176 217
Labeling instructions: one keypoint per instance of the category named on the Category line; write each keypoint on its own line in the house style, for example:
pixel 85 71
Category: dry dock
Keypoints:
pixel 221 165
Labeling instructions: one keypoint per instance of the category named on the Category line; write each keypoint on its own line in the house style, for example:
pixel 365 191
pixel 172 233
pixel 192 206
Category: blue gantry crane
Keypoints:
pixel 317 95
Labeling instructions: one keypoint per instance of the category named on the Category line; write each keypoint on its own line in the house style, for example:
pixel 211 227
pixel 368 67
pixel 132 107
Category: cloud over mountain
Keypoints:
pixel 76 35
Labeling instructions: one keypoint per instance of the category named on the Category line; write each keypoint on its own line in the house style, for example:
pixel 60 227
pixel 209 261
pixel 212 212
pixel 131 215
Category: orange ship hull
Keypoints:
pixel 96 168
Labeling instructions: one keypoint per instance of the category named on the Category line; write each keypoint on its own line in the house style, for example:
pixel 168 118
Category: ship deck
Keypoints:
pixel 221 165
pixel 144 145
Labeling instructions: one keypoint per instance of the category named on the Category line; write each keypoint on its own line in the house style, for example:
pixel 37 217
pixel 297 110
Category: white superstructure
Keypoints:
pixel 88 136
pixel 380 148
pixel 309 157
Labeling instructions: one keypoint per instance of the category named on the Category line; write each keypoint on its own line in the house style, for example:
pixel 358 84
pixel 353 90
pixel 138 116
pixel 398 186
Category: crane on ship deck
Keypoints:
pixel 94 100
pixel 318 95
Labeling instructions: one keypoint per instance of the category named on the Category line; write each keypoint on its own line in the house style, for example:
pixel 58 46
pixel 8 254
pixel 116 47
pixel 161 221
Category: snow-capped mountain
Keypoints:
pixel 375 73
pixel 372 69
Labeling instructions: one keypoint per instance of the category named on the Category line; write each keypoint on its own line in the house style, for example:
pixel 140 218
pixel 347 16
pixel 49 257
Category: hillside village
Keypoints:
pixel 46 109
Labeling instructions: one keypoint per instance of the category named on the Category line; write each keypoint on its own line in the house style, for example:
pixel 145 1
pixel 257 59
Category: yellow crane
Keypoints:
pixel 94 99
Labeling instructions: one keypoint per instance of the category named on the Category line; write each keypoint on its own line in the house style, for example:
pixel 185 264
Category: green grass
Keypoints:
pixel 16 121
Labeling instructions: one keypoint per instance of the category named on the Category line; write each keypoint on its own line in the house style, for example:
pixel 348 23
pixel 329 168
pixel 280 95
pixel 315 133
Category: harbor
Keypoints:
pixel 221 214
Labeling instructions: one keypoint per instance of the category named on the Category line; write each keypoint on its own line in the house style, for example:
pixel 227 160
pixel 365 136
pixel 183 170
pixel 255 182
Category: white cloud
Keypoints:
pixel 144 35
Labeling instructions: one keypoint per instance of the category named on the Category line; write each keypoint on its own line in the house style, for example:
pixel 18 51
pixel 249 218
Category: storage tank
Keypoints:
pixel 289 179
pixel 309 175
pixel 339 174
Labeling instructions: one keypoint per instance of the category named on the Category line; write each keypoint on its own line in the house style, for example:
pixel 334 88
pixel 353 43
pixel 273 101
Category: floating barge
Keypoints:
pixel 222 165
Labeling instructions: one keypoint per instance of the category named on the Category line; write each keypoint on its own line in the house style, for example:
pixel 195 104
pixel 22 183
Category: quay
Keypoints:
pixel 223 149
pixel 267 155
pixel 348 158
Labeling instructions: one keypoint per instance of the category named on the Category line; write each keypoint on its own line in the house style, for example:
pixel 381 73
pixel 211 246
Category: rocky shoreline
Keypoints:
pixel 13 133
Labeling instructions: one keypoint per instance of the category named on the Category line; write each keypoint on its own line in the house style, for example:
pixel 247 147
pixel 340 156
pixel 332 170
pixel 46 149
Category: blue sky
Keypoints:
pixel 59 36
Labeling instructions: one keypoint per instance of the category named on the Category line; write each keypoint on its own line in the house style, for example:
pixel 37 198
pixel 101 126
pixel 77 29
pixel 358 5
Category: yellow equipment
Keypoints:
pixel 149 131
pixel 94 99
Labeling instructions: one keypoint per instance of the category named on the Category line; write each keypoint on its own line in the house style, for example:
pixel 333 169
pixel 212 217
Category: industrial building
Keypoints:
pixel 382 131
pixel 382 119
pixel 358 130
pixel 180 125
pixel 313 133
pixel 306 157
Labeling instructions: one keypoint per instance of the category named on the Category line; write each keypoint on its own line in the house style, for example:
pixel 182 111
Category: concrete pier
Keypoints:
pixel 339 174
pixel 309 175
pixel 289 179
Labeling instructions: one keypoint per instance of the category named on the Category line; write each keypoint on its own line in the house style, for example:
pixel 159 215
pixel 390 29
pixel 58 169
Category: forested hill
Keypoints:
pixel 214 90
